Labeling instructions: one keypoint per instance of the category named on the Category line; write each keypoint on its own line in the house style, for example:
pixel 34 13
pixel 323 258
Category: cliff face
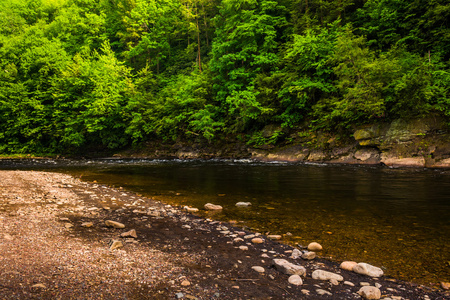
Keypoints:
pixel 417 143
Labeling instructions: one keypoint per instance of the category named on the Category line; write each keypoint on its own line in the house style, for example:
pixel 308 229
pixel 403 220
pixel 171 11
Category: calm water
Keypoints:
pixel 398 219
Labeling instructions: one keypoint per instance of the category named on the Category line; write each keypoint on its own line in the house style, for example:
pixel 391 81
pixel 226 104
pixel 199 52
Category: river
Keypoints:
pixel 397 219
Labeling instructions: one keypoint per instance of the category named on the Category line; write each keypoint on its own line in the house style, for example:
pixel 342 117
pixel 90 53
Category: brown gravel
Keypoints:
pixel 46 253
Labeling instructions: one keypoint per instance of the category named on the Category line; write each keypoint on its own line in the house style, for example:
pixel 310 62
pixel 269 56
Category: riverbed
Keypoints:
pixel 398 219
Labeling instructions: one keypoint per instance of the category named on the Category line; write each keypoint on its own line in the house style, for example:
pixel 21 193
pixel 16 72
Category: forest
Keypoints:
pixel 112 74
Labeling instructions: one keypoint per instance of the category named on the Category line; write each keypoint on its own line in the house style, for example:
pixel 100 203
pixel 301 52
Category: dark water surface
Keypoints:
pixel 397 219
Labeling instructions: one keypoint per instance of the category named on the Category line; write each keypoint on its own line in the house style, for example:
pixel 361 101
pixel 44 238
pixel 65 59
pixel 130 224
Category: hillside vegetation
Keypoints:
pixel 77 74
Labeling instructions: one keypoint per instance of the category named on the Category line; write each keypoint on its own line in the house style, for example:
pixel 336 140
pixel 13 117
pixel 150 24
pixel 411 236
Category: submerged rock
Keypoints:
pixel 210 206
pixel 314 246
pixel 243 204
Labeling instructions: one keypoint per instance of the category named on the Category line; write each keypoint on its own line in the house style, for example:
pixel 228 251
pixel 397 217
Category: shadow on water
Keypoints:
pixel 398 219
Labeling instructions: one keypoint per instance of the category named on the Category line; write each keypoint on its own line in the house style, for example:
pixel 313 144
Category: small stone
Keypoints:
pixel 305 292
pixel 115 244
pixel 274 237
pixel 7 237
pixel 314 246
pixel 323 292
pixel 249 236
pixel 325 275
pixel 370 292
pixel 179 295
pixel 369 270
pixel 348 265
pixel 237 240
pixel 39 286
pixel 186 226
pixel 349 283
pixel 190 209
pixel 87 224
pixel 309 255
pixel 295 280
pixel 210 206
pixel 68 225
pixel 114 224
pixel 445 285
pixel 131 233
pixel 244 248
pixel 257 241
pixel 258 269
pixel 288 268
pixel 243 204
pixel 185 283
pixel 235 287
pixel 364 284
pixel 334 281
pixel 296 254
pixel 264 255
pixel 378 285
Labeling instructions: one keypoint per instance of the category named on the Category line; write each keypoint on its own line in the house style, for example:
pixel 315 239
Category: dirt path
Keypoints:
pixel 54 244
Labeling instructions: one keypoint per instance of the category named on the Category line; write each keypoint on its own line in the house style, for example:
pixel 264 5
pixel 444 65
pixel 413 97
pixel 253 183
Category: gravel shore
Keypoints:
pixel 55 244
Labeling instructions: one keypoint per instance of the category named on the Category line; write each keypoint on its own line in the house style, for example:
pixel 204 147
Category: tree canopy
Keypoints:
pixel 76 74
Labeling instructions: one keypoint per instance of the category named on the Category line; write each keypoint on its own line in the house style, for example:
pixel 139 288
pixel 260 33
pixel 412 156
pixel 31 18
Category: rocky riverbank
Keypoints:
pixel 416 143
pixel 62 238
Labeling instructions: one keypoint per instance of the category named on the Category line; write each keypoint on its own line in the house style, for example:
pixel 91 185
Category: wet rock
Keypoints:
pixel 87 224
pixel 257 241
pixel 369 270
pixel 243 204
pixel 348 265
pixel 115 244
pixel 445 285
pixel 314 246
pixel 296 254
pixel 274 237
pixel 131 233
pixel 288 268
pixel 114 224
pixel 309 255
pixel 325 275
pixel 369 293
pixel 190 209
pixel 210 206
pixel 258 269
pixel 295 280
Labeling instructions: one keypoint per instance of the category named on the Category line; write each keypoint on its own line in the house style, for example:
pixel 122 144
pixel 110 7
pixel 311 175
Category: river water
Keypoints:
pixel 397 219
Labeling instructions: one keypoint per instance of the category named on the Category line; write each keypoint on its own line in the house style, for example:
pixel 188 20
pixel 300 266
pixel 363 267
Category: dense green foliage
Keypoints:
pixel 76 74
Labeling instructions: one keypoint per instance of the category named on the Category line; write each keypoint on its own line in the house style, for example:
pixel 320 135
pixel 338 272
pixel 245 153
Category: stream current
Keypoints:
pixel 396 219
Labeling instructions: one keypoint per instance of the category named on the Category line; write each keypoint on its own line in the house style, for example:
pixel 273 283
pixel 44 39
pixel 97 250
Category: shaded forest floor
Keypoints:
pixel 55 245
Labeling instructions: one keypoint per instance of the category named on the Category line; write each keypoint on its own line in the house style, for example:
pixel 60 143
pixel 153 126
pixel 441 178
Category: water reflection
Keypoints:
pixel 395 218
